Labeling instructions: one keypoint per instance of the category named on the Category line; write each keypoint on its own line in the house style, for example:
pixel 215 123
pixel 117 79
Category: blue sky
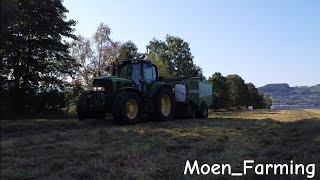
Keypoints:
pixel 264 41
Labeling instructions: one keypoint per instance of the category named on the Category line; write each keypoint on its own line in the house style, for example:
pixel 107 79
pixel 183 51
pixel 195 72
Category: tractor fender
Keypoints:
pixel 156 87
pixel 132 89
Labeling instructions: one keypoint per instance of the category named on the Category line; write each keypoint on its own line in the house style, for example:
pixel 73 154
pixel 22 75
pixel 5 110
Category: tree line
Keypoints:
pixel 232 92
pixel 45 67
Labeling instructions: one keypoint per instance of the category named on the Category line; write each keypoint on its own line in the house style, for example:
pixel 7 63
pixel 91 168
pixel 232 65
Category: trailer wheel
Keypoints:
pixel 203 112
pixel 164 105
pixel 127 108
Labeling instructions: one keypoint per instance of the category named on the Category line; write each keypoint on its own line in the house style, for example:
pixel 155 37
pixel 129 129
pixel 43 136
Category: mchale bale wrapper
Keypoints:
pixel 192 96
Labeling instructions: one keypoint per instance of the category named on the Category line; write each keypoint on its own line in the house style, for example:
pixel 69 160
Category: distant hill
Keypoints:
pixel 283 94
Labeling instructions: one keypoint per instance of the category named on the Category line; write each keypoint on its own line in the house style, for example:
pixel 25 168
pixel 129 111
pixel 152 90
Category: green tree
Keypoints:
pixel 94 55
pixel 73 91
pixel 255 97
pixel 103 54
pixel 219 90
pixel 174 57
pixel 129 50
pixel 34 51
pixel 267 101
pixel 82 52
pixel 181 56
pixel 238 91
pixel 158 53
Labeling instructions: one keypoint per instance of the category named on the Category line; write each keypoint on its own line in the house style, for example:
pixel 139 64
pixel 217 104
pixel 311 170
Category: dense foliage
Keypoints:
pixel 220 91
pixel 129 50
pixel 35 60
pixel 173 57
pixel 232 92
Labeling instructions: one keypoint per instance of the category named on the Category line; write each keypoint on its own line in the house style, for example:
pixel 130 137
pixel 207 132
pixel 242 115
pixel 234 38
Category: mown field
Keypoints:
pixel 69 149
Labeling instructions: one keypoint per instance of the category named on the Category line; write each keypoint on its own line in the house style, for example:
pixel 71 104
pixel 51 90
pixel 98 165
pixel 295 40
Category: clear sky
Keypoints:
pixel 264 41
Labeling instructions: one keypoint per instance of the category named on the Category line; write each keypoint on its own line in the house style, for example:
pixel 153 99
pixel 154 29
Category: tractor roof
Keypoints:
pixel 125 62
pixel 133 61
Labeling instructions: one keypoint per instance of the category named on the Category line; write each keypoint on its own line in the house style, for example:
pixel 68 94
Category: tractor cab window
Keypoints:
pixel 149 73
pixel 131 71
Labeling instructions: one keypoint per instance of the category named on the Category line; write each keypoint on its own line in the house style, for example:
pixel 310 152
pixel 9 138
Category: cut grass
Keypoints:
pixel 68 149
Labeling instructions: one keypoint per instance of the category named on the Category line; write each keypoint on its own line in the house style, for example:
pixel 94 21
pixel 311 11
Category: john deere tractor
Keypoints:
pixel 135 90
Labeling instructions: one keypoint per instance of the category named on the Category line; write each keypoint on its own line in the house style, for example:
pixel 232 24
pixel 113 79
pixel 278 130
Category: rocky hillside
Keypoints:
pixel 283 94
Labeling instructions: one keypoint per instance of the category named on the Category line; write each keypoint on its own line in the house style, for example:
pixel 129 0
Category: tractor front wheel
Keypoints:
pixel 127 108
pixel 164 105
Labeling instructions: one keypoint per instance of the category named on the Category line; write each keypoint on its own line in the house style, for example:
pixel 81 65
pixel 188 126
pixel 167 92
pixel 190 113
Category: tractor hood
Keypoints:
pixel 112 78
pixel 117 82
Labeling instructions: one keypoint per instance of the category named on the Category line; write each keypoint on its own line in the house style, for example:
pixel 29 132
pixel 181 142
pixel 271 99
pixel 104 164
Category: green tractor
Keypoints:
pixel 135 90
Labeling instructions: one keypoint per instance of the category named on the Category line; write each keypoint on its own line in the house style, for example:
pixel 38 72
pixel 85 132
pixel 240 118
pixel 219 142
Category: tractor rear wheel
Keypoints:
pixel 203 112
pixel 164 105
pixel 127 108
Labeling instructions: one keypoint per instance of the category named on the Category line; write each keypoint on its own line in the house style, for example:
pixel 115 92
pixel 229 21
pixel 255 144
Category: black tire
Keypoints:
pixel 81 106
pixel 158 114
pixel 203 112
pixel 120 114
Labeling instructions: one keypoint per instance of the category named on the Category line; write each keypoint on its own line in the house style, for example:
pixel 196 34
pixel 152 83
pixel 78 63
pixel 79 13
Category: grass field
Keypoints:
pixel 69 149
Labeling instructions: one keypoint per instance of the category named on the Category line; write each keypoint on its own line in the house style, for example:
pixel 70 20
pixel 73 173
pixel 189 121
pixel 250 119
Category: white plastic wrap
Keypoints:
pixel 180 92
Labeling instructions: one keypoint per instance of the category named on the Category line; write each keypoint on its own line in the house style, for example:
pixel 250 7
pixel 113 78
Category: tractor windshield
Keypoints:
pixel 130 71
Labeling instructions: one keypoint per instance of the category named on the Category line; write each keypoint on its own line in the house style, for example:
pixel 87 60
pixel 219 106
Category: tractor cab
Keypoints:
pixel 139 71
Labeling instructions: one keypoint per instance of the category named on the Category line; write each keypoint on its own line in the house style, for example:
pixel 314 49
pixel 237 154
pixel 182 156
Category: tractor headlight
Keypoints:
pixel 98 88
